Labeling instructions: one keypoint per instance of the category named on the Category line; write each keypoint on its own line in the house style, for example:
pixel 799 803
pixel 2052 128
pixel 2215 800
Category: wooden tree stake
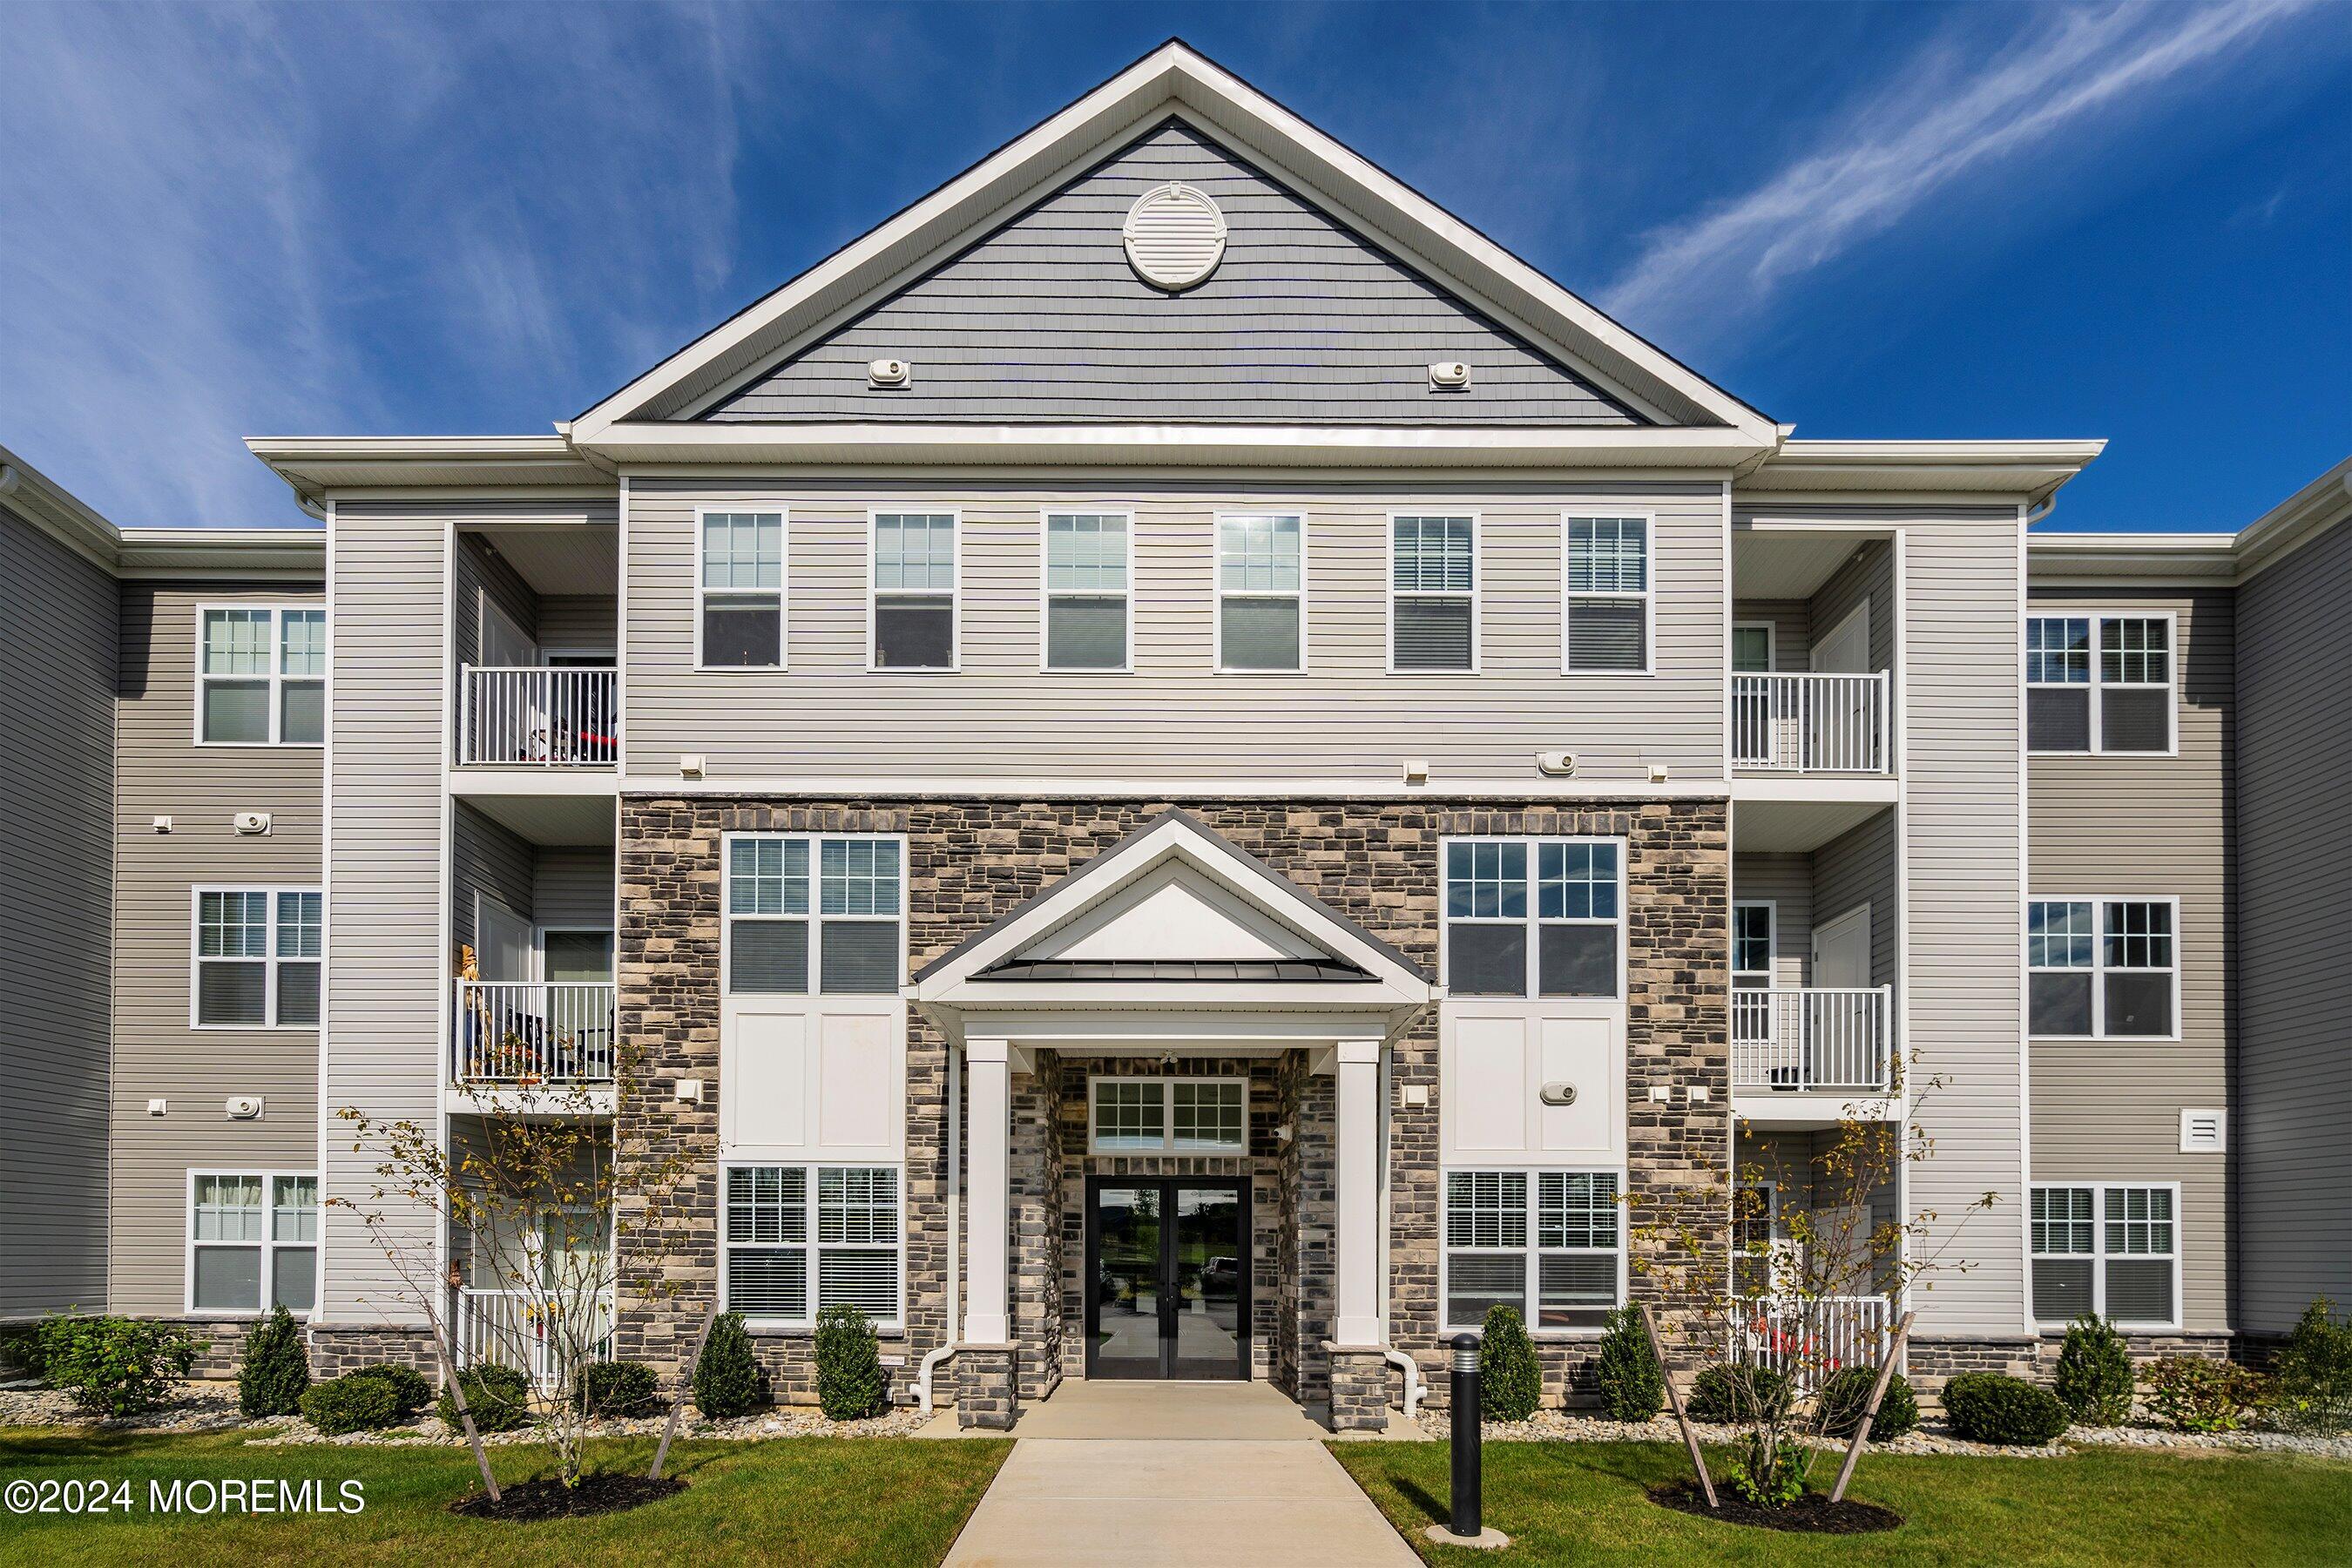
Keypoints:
pixel 1675 1398
pixel 1870 1412
pixel 685 1382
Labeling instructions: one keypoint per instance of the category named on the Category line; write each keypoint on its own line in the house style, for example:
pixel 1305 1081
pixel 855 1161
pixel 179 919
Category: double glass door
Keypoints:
pixel 1168 1258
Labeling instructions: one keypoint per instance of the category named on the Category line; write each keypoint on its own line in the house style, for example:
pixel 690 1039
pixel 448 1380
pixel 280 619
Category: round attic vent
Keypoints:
pixel 1175 235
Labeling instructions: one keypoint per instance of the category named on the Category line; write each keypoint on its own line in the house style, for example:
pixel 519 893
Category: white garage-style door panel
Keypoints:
pixel 1494 1066
pixel 814 1084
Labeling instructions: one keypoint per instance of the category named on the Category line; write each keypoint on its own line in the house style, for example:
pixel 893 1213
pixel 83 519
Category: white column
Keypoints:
pixel 988 1092
pixel 1358 1158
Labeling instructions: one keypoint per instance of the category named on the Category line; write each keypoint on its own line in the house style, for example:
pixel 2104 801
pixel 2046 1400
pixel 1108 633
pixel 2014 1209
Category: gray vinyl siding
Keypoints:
pixel 488 859
pixel 1858 866
pixel 1303 321
pixel 573 887
pixel 157 1054
pixel 1791 623
pixel 479 577
pixel 1868 574
pixel 2294 956
pixel 1787 882
pixel 57 771
pixel 2160 828
pixel 579 623
pixel 1172 716
pixel 1963 761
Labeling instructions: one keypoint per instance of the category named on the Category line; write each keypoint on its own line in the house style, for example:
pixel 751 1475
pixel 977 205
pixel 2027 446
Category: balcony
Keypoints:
pixel 1811 1039
pixel 533 1034
pixel 1804 722
pixel 507 1327
pixel 1807 1338
pixel 539 716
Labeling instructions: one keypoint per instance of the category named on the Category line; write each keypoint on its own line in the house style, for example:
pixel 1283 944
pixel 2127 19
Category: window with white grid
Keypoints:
pixel 1606 597
pixel 1533 917
pixel 1261 591
pixel 1432 594
pixel 2099 683
pixel 262 675
pixel 912 616
pixel 782 1268
pixel 2103 968
pixel 257 958
pixel 852 943
pixel 1563 1271
pixel 1086 592
pixel 739 590
pixel 2110 1250
pixel 253 1241
pixel 1169 1115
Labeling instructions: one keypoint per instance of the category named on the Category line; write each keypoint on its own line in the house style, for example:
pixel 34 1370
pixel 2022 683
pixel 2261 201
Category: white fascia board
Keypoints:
pixel 315 465
pixel 2129 560
pixel 1171 76
pixel 1708 448
pixel 1130 995
pixel 2033 469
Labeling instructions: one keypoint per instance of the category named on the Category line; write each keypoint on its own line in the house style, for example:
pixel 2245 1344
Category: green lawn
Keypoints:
pixel 799 1500
pixel 1585 1503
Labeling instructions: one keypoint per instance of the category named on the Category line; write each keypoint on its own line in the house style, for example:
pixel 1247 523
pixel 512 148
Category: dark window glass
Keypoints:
pixel 1575 1292
pixel 2139 1291
pixel 228 1278
pixel 297 993
pixel 1475 1281
pixel 2139 1004
pixel 1260 633
pixel 2061 1289
pixel 1575 961
pixel 1606 634
pixel 742 632
pixel 232 994
pixel 2058 720
pixel 1085 631
pixel 1433 633
pixel 2133 720
pixel 860 957
pixel 913 632
pixel 2060 1004
pixel 236 712
pixel 767 1284
pixel 1486 959
pixel 769 957
pixel 302 717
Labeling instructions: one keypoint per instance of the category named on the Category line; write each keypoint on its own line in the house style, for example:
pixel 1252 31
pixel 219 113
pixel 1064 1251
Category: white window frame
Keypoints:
pixel 782 590
pixel 267 1246
pixel 813 1248
pixel 1046 589
pixel 1168 1142
pixel 1477 595
pixel 1771 939
pixel 1648 595
pixel 1533 920
pixel 816 921
pixel 1219 594
pixel 1531 1302
pixel 1771 630
pixel 954 515
pixel 277 679
pixel 269 960
pixel 2100 969
pixel 2099 682
pixel 2099 1253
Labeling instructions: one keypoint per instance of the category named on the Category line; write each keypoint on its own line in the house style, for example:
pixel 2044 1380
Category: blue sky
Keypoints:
pixel 1880 220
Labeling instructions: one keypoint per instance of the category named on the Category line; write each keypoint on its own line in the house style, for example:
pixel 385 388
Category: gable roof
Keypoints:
pixel 1174 80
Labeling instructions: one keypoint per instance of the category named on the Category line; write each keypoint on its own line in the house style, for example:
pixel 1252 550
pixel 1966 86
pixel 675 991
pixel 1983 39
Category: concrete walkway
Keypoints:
pixel 1145 1475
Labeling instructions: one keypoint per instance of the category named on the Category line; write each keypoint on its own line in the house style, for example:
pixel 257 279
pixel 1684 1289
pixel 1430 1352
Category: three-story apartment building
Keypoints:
pixel 1174 765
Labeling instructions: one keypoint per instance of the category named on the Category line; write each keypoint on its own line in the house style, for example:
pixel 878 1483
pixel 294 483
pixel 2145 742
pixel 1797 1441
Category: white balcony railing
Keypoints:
pixel 534 1032
pixel 1812 1037
pixel 511 1328
pixel 1800 723
pixel 1805 1339
pixel 535 716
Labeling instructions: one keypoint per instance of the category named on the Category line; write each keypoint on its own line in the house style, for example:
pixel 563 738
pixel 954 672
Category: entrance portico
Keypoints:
pixel 1174 957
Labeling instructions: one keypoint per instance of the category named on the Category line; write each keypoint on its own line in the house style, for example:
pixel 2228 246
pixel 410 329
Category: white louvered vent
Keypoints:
pixel 2204 1132
pixel 1175 237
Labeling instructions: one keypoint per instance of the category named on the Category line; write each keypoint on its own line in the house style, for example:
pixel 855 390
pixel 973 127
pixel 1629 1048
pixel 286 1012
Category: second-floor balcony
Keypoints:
pixel 539 716
pixel 533 1034
pixel 1809 721
pixel 1813 1040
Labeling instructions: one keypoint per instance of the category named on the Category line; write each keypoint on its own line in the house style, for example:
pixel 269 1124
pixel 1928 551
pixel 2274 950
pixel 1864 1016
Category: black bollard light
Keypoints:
pixel 1468 1505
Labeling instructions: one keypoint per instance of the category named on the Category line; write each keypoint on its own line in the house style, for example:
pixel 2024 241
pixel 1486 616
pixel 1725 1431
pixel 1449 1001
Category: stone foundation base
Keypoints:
pixel 1359 1388
pixel 335 1350
pixel 986 1386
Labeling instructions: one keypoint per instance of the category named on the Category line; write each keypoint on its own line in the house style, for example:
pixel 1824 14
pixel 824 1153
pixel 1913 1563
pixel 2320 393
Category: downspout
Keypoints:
pixel 1397 1358
pixel 955 1231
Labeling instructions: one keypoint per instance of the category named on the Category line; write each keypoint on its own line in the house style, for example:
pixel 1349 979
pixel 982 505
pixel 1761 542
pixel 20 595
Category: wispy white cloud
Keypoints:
pixel 1942 119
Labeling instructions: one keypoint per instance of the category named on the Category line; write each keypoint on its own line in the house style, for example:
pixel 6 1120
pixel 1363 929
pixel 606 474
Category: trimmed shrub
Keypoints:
pixel 352 1403
pixel 619 1389
pixel 1631 1384
pixel 1731 1397
pixel 2312 1379
pixel 1510 1383
pixel 1992 1407
pixel 411 1390
pixel 850 1384
pixel 1846 1395
pixel 728 1380
pixel 2190 1393
pixel 2095 1374
pixel 115 1366
pixel 275 1371
pixel 497 1398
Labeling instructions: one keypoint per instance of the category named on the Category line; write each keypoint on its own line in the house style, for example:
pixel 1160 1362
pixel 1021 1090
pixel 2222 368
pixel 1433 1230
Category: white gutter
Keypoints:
pixel 955 1232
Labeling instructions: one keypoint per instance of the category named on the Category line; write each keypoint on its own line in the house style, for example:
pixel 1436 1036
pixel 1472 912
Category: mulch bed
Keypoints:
pixel 1812 1514
pixel 602 1493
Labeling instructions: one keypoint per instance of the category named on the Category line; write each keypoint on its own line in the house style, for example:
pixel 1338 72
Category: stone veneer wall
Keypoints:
pixel 972 861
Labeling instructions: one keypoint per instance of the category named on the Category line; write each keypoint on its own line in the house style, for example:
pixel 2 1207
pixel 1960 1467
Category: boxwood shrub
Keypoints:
pixel 620 1390
pixel 1627 1370
pixel 1845 1395
pixel 352 1403
pixel 275 1371
pixel 1510 1383
pixel 1990 1408
pixel 498 1397
pixel 1722 1395
pixel 2314 1374
pixel 2095 1374
pixel 411 1391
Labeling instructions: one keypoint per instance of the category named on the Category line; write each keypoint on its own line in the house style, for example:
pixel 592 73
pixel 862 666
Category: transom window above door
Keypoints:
pixel 1168 1115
